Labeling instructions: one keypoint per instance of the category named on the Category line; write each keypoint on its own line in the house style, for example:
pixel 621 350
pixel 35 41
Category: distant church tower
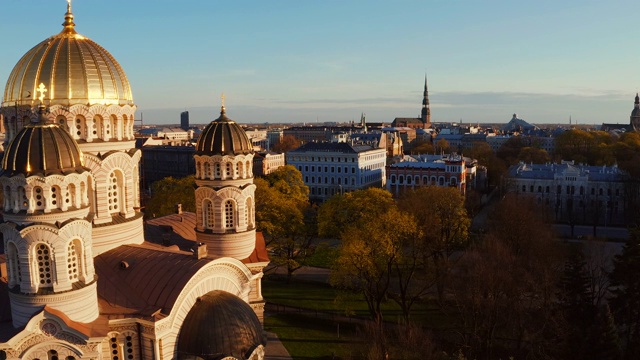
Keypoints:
pixel 225 201
pixel 426 111
pixel 635 115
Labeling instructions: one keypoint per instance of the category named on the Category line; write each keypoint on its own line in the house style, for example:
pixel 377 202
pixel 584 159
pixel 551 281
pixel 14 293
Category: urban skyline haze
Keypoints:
pixel 307 61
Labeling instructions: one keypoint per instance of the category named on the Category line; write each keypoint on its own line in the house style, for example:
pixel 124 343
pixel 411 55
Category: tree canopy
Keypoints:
pixel 168 192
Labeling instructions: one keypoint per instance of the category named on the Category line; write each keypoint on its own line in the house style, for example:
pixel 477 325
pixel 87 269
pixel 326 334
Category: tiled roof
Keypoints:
pixel 143 279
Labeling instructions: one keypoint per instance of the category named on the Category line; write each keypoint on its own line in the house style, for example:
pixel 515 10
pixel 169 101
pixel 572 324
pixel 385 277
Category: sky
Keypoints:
pixel 315 61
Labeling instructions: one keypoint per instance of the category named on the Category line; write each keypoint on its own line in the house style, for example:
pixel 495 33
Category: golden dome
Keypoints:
pixel 42 148
pixel 75 69
pixel 223 136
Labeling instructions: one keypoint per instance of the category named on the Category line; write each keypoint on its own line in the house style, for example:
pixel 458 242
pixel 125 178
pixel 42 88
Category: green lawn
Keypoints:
pixel 313 338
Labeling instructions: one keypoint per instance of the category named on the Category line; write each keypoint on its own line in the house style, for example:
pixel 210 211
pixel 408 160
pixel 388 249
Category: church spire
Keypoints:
pixel 637 103
pixel 69 25
pixel 426 111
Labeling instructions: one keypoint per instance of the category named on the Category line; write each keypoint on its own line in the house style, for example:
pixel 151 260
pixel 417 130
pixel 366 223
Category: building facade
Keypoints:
pixel 573 193
pixel 429 170
pixel 266 162
pixel 335 168
pixel 85 278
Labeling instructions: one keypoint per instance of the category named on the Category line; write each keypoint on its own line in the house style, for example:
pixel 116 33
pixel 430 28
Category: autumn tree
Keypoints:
pixel 168 192
pixel 422 147
pixel 442 146
pixel 482 152
pixel 285 216
pixel 506 283
pixel 368 251
pixel 344 210
pixel 442 218
pixel 625 302
pixel 286 143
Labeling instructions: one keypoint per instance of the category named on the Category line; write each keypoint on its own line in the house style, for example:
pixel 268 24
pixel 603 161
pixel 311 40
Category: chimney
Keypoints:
pixel 199 250
pixel 178 208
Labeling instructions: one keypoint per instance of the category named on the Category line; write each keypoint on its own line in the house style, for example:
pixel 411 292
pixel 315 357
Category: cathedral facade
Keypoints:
pixel 82 275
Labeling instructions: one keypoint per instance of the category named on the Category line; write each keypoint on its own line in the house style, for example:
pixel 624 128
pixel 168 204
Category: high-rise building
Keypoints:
pixel 78 277
pixel 184 120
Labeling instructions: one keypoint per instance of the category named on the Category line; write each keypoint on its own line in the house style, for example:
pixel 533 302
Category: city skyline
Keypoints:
pixel 292 61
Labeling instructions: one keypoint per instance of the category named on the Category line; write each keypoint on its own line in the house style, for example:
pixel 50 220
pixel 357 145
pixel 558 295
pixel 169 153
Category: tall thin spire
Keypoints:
pixel 637 102
pixel 426 111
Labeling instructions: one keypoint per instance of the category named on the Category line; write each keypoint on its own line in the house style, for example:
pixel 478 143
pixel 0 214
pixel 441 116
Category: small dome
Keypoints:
pixel 75 69
pixel 223 136
pixel 41 148
pixel 219 325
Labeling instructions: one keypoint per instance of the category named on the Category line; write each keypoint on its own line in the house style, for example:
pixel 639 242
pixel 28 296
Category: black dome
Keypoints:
pixel 223 137
pixel 218 325
pixel 41 148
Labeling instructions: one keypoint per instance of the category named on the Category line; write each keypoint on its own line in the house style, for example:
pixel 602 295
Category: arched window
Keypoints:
pixel 22 198
pixel 71 196
pixel 38 196
pixel 75 261
pixel 207 171
pixel 98 127
pixel 229 210
pixel 7 198
pixel 115 348
pixel 110 128
pixel 56 197
pixel 80 128
pixel 207 212
pixel 129 347
pixel 400 179
pixel 45 265
pixel 433 180
pixel 52 355
pixel 115 190
pixel 15 273
pixel 453 181
pixel 393 179
pixel 409 180
pixel 218 175
pixel 425 180
pixel 228 170
pixel 441 181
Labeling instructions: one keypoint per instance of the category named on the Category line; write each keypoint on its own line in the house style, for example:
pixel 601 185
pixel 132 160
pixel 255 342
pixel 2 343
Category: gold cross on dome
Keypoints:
pixel 222 99
pixel 41 89
pixel 69 5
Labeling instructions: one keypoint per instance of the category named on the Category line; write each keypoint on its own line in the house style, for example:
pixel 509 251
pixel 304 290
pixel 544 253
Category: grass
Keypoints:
pixel 312 338
pixel 323 256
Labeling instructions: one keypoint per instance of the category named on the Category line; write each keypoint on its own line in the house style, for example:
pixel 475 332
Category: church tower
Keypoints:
pixel 426 110
pixel 225 202
pixel 89 96
pixel 46 228
pixel 635 114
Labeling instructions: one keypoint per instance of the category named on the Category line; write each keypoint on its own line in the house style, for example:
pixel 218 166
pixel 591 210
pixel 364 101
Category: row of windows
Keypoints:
pixel 569 189
pixel 100 128
pixel 223 171
pixel 59 198
pixel 409 180
pixel 322 159
pixel 44 261
pixel 230 214
pixel 332 180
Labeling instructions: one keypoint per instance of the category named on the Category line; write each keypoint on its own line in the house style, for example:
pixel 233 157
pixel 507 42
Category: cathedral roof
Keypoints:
pixel 143 279
pixel 42 148
pixel 223 136
pixel 75 69
pixel 220 325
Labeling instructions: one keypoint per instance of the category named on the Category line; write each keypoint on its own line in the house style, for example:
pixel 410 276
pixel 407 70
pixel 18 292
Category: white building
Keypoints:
pixel 81 276
pixel 574 193
pixel 331 168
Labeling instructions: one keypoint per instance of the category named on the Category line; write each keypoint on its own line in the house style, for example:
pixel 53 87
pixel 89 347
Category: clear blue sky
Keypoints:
pixel 303 60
